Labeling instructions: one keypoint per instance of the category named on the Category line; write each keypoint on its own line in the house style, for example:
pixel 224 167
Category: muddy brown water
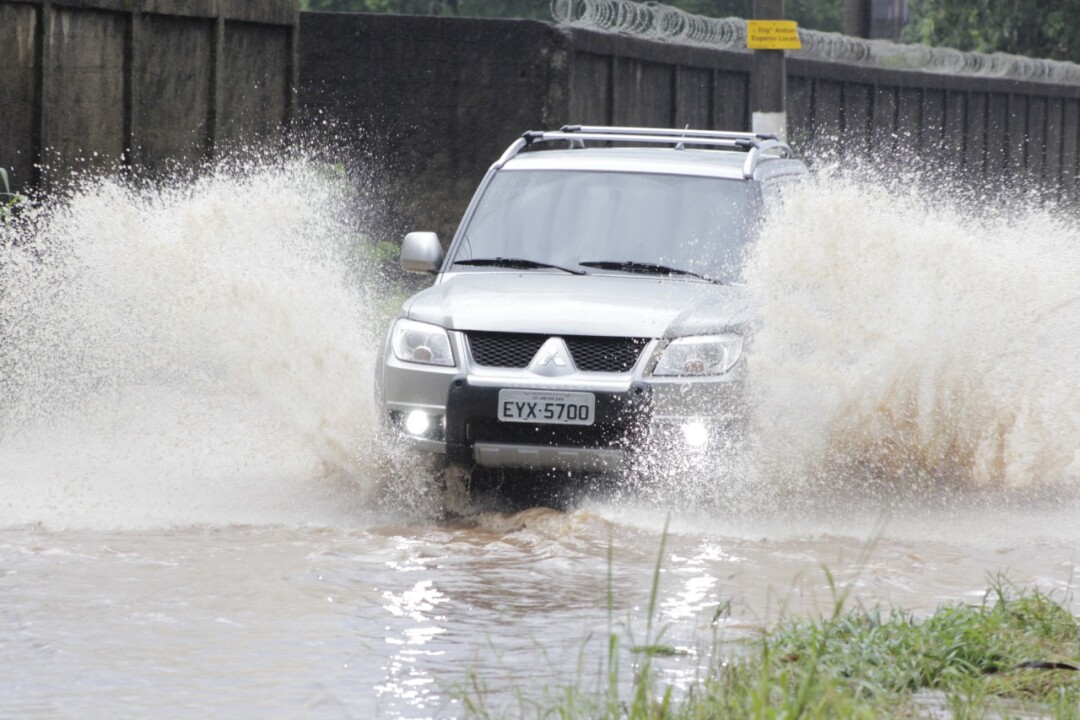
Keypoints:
pixel 196 516
pixel 398 620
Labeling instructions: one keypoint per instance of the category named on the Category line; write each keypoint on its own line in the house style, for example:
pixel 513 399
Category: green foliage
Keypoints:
pixel 8 199
pixel 897 653
pixel 1017 645
pixel 1020 27
pixel 1014 654
pixel 823 15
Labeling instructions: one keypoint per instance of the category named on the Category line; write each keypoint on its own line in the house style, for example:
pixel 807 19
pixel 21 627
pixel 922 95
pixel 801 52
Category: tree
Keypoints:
pixel 1021 27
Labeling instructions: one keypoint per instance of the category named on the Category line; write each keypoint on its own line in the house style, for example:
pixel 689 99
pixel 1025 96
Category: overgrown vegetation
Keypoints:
pixel 1021 27
pixel 8 199
pixel 1019 646
pixel 1015 654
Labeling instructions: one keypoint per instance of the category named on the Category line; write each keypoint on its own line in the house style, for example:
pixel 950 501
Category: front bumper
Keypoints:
pixel 634 415
pixel 474 433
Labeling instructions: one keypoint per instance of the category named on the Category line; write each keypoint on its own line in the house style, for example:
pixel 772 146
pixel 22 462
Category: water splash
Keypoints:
pixel 912 342
pixel 204 346
pixel 202 353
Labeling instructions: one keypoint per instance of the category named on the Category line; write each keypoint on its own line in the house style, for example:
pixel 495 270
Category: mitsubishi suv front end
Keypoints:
pixel 589 311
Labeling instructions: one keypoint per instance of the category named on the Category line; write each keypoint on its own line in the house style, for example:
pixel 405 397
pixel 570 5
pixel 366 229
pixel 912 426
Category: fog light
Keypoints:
pixel 417 422
pixel 695 433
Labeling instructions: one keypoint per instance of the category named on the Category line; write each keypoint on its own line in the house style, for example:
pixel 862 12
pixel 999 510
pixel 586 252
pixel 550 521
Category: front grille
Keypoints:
pixel 504 350
pixel 604 354
pixel 590 354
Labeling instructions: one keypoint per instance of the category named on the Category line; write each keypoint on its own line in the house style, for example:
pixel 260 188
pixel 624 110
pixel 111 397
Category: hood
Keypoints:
pixel 597 305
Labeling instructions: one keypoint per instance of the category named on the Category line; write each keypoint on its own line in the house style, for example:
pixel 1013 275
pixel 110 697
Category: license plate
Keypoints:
pixel 543 407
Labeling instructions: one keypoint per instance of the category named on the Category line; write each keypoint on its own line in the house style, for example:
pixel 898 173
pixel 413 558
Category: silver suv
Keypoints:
pixel 589 311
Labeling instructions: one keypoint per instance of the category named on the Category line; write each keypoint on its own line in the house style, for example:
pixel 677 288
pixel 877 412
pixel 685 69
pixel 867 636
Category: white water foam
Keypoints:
pixel 913 343
pixel 201 353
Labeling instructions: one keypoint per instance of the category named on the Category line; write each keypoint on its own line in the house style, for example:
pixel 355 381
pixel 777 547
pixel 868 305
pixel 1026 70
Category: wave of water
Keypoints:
pixel 202 353
pixel 915 342
pixel 199 352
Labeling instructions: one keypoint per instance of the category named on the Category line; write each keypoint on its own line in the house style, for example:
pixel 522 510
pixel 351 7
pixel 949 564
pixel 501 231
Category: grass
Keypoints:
pixel 1015 654
pixel 8 199
pixel 1012 652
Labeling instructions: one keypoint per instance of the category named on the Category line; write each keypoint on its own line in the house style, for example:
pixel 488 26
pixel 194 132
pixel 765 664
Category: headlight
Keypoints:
pixel 421 343
pixel 700 355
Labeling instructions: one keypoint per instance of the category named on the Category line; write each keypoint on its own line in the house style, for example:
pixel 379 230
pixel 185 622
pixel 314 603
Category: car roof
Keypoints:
pixel 667 161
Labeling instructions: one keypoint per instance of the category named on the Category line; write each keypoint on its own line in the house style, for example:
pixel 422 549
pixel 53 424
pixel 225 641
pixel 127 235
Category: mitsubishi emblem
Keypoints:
pixel 552 359
pixel 555 357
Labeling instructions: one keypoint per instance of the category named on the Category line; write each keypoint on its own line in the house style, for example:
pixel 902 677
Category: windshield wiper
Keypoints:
pixel 515 263
pixel 645 268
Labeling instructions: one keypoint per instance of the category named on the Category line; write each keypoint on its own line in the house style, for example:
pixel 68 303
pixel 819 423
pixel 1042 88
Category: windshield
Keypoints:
pixel 612 221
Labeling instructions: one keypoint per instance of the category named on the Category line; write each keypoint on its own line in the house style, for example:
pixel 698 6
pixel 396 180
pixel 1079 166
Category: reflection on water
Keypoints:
pixel 196 515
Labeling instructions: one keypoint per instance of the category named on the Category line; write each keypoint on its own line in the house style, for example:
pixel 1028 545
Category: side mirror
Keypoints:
pixel 421 252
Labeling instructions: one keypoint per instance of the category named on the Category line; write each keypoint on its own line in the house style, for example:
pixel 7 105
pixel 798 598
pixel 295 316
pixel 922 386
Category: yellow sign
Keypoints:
pixel 772 35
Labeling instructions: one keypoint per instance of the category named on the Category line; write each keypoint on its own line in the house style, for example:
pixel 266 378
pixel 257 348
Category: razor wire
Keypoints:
pixel 663 23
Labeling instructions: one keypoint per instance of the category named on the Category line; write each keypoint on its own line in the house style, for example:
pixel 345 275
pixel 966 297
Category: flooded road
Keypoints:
pixel 196 515
pixel 405 620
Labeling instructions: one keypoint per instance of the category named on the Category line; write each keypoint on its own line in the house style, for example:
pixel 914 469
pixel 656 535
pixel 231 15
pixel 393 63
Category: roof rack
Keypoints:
pixel 716 134
pixel 755 145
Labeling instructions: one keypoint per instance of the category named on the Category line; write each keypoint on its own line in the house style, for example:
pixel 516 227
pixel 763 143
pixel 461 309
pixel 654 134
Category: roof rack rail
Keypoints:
pixel 617 130
pixel 755 145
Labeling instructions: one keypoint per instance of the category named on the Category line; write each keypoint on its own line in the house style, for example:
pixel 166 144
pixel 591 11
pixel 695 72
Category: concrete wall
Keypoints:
pixel 102 83
pixel 993 131
pixel 619 80
pixel 426 104
pixel 431 102
pixel 987 129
